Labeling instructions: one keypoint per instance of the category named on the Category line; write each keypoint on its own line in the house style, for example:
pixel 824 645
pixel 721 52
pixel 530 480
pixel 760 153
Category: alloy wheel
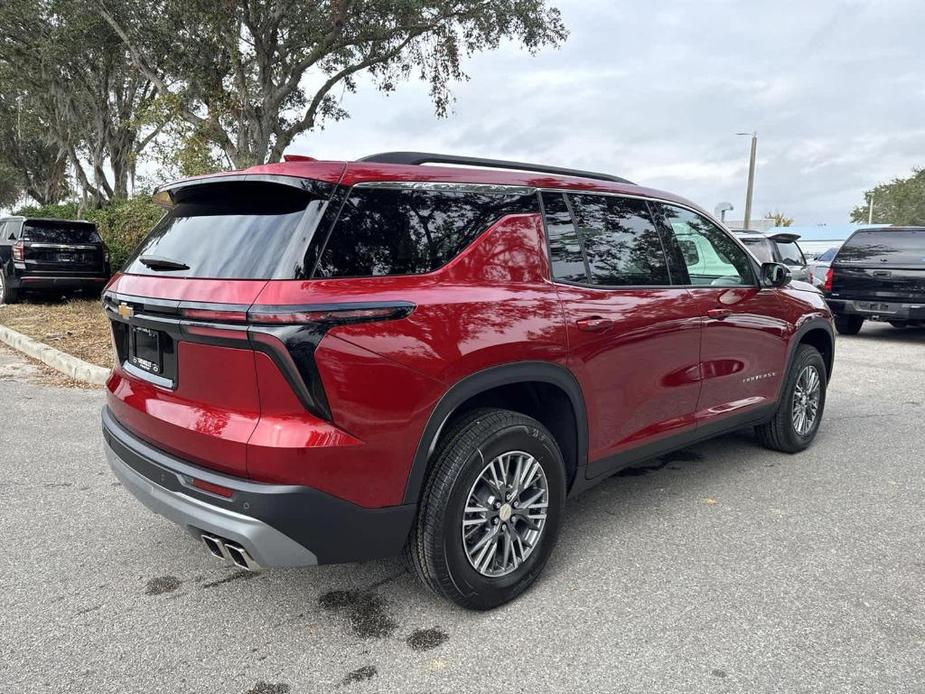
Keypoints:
pixel 806 396
pixel 505 514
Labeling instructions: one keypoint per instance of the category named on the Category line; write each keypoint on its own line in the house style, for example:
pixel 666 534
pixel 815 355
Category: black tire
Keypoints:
pixel 8 295
pixel 848 325
pixel 435 548
pixel 780 434
pixel 899 324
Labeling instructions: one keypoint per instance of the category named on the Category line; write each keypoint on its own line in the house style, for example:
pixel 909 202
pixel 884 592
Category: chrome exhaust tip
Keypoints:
pixel 216 547
pixel 240 557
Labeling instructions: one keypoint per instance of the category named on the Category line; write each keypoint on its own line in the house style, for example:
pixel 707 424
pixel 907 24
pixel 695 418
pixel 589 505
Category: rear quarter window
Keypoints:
pixel 899 246
pixel 385 230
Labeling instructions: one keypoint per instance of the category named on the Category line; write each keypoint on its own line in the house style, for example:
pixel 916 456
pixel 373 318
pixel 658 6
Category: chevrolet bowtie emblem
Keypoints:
pixel 126 311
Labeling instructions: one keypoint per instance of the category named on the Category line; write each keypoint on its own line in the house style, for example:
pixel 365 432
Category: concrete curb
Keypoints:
pixel 70 366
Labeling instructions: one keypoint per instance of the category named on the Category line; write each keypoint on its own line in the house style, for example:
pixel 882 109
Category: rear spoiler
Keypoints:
pixel 784 237
pixel 166 195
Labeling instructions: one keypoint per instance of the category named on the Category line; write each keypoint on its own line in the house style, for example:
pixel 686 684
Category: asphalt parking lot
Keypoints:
pixel 724 568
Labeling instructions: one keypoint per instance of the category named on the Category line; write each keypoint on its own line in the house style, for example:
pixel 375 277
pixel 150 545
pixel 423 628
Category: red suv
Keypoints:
pixel 330 362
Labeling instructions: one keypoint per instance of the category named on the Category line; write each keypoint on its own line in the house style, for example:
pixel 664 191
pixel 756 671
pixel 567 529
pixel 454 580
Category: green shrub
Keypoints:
pixel 122 224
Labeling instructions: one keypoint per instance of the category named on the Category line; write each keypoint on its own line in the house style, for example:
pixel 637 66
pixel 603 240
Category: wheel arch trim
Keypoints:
pixel 485 380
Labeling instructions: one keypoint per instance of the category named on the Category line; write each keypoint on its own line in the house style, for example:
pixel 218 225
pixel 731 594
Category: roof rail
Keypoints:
pixel 417 158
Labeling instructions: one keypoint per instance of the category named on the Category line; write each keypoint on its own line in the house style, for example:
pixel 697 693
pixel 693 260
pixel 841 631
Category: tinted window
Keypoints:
pixel 48 231
pixel 407 231
pixel 828 255
pixel 233 231
pixel 790 253
pixel 761 249
pixel 568 259
pixel 622 245
pixel 719 260
pixel 887 246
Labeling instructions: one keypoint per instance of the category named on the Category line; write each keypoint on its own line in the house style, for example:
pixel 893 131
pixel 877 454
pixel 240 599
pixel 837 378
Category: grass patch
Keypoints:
pixel 75 326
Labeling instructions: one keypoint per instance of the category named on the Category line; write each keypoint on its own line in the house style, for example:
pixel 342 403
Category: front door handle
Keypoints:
pixel 595 324
pixel 719 313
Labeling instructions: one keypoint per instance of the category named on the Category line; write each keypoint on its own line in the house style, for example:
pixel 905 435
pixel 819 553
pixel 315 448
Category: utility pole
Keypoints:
pixel 751 179
pixel 870 210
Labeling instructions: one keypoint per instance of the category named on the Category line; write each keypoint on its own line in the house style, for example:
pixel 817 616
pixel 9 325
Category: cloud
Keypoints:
pixel 834 90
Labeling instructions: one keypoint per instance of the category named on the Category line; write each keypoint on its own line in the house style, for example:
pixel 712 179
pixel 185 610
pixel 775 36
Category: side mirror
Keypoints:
pixel 775 274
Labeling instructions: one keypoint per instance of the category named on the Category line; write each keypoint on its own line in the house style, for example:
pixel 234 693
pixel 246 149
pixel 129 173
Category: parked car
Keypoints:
pixel 779 247
pixel 59 255
pixel 818 267
pixel 878 274
pixel 327 362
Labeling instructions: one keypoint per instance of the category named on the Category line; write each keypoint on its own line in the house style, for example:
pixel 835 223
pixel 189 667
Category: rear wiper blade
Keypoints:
pixel 156 263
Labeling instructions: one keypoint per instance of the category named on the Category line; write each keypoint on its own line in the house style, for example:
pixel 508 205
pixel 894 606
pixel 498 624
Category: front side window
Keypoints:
pixel 402 230
pixel 719 261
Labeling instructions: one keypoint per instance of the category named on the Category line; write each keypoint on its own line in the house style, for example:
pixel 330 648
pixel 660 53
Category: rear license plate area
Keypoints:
pixel 876 307
pixel 145 350
pixel 65 257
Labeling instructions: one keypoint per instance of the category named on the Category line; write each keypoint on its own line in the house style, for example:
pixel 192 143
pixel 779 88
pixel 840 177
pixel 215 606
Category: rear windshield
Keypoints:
pixel 761 248
pixel 53 231
pixel 790 253
pixel 901 246
pixel 232 231
pixel 386 230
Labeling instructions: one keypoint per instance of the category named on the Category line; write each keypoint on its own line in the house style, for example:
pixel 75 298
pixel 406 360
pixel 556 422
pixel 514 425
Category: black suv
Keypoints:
pixel 50 255
pixel 878 274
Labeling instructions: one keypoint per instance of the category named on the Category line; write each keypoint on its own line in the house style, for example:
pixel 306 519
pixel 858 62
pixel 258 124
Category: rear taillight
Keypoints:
pixel 106 256
pixel 829 276
pixel 214 315
pixel 299 315
pixel 19 251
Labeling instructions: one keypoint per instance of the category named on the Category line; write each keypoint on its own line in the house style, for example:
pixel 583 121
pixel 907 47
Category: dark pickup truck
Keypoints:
pixel 44 255
pixel 878 274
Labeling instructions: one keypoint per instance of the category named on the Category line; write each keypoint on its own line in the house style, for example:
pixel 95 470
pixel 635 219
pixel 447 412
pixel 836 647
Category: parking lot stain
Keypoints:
pixel 365 612
pixel 161 585
pixel 366 672
pixel 237 576
pixel 718 673
pixel 269 688
pixel 425 639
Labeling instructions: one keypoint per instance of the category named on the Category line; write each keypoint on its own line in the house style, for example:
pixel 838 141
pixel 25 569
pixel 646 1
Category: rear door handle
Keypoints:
pixel 595 324
pixel 719 313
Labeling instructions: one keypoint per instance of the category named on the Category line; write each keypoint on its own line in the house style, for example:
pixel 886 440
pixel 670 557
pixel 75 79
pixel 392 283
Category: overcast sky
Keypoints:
pixel 654 91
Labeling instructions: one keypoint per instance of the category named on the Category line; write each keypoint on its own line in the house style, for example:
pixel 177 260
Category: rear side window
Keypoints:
pixel 54 231
pixel 622 244
pixel 410 230
pixel 241 230
pixel 888 246
pixel 603 240
pixel 569 262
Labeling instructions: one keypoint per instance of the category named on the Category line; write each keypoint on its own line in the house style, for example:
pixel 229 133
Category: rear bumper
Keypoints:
pixel 877 309
pixel 278 525
pixel 61 282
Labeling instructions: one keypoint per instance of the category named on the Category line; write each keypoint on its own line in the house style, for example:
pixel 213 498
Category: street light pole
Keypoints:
pixel 751 179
